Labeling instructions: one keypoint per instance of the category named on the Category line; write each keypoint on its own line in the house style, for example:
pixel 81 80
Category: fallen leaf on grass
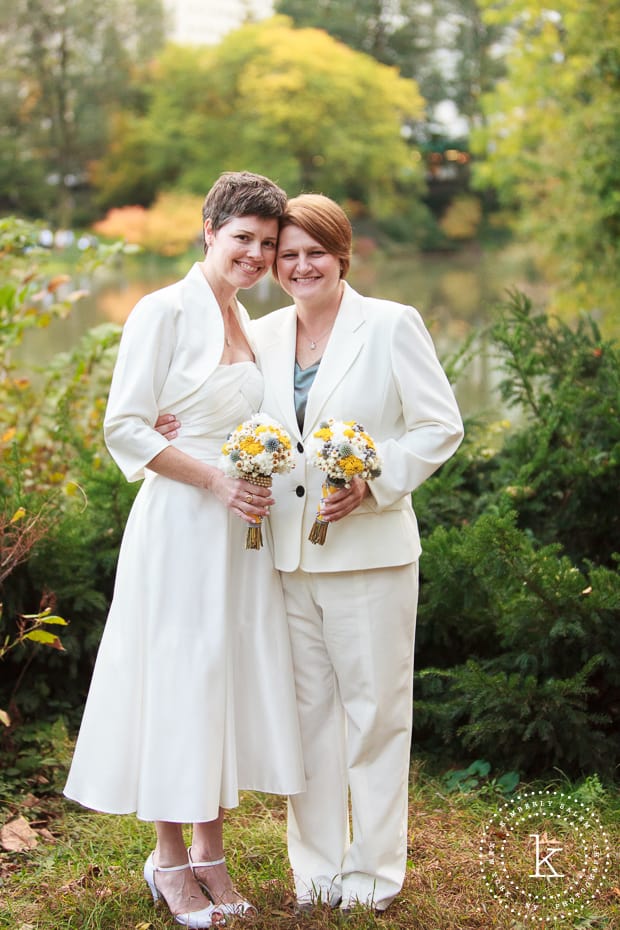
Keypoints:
pixel 93 871
pixel 30 801
pixel 17 835
pixel 103 892
pixel 7 867
pixel 144 926
pixel 45 834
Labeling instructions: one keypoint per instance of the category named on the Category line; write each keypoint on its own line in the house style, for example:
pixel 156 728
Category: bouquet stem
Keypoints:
pixel 318 533
pixel 254 536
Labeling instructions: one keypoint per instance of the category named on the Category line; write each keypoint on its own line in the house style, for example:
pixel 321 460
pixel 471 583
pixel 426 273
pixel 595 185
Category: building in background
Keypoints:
pixel 205 22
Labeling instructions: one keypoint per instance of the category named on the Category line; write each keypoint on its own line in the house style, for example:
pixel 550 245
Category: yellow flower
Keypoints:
pixel 368 440
pixel 324 433
pixel 349 432
pixel 251 446
pixel 351 465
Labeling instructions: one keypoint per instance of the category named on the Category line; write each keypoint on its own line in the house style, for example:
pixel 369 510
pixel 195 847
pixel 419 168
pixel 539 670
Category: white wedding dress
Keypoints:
pixel 192 697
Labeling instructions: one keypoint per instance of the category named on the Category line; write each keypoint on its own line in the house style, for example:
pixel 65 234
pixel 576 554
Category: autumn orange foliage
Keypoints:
pixel 171 226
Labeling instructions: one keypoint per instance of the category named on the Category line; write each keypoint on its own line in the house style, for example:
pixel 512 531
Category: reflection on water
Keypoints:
pixel 455 294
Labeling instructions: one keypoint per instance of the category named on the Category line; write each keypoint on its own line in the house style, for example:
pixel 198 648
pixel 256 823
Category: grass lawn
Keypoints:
pixel 86 869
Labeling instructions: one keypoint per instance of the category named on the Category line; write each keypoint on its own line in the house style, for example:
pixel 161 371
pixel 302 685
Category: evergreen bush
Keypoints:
pixel 518 643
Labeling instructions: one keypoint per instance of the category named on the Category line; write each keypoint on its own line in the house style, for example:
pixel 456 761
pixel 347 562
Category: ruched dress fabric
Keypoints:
pixel 192 696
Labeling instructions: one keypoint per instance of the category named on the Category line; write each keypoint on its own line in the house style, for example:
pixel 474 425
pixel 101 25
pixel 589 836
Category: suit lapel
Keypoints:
pixel 276 355
pixel 345 343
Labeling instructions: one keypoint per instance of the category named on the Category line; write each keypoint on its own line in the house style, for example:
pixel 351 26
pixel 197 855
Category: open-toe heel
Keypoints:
pixel 209 916
pixel 240 908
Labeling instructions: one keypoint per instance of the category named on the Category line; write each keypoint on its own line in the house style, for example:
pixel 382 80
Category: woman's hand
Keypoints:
pixel 244 499
pixel 168 425
pixel 343 502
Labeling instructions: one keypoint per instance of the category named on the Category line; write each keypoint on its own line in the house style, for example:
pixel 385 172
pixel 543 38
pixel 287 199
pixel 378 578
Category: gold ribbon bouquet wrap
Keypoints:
pixel 257 449
pixel 343 450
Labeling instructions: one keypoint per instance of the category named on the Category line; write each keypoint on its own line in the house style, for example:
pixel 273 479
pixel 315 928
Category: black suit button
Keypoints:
pixel 300 491
pixel 300 448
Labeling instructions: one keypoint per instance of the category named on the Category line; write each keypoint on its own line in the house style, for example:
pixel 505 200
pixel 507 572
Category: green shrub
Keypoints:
pixel 518 642
pixel 58 474
pixel 562 468
pixel 75 563
pixel 518 651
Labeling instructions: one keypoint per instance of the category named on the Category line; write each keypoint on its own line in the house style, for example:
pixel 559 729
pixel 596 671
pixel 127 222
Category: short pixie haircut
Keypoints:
pixel 321 218
pixel 241 193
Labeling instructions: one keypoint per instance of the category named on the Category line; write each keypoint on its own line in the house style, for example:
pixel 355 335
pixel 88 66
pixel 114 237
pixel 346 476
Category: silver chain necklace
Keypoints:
pixel 313 343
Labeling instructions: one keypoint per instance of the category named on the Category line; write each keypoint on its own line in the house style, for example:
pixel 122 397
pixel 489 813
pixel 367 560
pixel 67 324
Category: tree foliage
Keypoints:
pixel 443 44
pixel 66 64
pixel 170 227
pixel 551 139
pixel 290 103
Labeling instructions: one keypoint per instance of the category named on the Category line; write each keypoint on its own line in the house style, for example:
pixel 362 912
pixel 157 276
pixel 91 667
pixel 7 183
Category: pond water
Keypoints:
pixel 455 293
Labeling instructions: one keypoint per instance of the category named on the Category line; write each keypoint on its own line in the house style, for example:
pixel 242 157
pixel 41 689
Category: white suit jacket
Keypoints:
pixel 380 369
pixel 172 341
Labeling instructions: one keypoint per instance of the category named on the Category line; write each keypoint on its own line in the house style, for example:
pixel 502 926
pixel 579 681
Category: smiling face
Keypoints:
pixel 306 270
pixel 241 251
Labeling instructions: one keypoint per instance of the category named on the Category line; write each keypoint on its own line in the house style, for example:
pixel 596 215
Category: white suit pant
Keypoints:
pixel 352 636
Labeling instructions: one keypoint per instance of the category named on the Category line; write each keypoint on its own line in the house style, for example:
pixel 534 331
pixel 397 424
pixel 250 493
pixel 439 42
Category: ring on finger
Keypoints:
pixel 249 498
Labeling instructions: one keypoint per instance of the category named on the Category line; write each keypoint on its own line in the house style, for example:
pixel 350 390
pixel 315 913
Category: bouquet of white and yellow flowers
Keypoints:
pixel 256 450
pixel 343 450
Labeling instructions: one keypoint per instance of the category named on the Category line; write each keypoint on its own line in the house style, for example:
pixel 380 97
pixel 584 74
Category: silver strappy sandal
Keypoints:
pixel 196 920
pixel 241 908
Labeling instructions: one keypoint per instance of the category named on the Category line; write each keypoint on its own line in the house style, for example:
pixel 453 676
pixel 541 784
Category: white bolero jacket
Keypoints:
pixel 380 369
pixel 172 341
